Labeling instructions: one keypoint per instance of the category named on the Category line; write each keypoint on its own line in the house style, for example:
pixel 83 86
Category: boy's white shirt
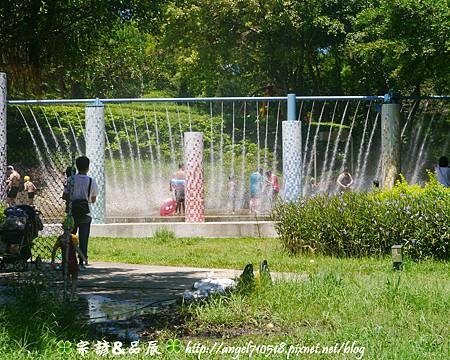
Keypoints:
pixel 80 183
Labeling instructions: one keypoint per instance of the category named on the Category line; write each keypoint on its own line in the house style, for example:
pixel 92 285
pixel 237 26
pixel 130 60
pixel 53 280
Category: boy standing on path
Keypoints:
pixel 84 191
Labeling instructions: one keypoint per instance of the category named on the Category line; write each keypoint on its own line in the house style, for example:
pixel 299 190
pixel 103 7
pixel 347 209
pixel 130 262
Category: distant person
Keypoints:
pixel 231 193
pixel 180 174
pixel 313 186
pixel 256 184
pixel 375 184
pixel 178 187
pixel 30 189
pixel 274 186
pixel 443 171
pixel 12 185
pixel 82 190
pixel 345 181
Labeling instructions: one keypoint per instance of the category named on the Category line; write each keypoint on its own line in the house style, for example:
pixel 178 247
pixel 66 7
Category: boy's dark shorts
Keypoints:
pixel 179 195
pixel 12 193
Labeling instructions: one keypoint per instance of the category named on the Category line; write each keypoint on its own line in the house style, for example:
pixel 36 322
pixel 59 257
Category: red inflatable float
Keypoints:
pixel 168 207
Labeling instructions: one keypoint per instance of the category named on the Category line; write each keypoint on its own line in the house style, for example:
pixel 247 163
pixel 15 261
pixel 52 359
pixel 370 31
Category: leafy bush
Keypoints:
pixel 164 235
pixel 2 212
pixel 363 224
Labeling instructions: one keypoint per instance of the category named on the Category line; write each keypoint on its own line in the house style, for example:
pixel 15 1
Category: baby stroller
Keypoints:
pixel 17 232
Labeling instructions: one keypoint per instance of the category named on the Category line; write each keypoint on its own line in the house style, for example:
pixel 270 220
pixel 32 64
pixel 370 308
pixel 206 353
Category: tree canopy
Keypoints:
pixel 115 48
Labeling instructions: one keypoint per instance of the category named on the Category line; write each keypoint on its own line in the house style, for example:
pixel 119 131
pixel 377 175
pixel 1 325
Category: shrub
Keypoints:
pixel 363 224
pixel 164 235
pixel 2 212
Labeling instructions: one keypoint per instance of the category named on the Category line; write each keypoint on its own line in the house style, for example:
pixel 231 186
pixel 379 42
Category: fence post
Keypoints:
pixel 193 161
pixel 3 157
pixel 292 152
pixel 95 151
pixel 390 142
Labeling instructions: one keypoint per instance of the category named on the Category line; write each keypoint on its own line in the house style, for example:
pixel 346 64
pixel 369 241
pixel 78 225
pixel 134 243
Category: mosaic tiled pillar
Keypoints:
pixel 95 151
pixel 3 158
pixel 292 160
pixel 193 162
pixel 390 144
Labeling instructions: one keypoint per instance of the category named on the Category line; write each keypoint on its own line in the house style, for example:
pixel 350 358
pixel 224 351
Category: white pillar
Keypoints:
pixel 193 163
pixel 95 151
pixel 3 157
pixel 390 144
pixel 292 159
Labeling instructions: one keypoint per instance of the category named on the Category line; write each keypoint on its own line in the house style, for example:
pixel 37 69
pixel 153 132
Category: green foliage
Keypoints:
pixel 369 304
pixel 365 224
pixel 164 235
pixel 50 47
pixel 2 213
pixel 33 324
pixel 401 44
pixel 115 75
pixel 122 48
pixel 227 46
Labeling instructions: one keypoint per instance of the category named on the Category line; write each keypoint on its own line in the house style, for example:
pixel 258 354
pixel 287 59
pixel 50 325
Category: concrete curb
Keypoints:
pixel 208 230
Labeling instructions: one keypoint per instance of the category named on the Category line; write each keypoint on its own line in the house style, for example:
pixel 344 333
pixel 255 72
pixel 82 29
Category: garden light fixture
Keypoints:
pixel 397 257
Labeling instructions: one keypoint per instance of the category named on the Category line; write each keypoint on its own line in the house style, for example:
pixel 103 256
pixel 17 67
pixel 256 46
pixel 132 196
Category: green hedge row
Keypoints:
pixel 364 224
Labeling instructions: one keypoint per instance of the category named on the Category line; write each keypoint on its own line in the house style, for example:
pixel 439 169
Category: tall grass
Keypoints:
pixel 367 224
pixel 392 315
pixel 34 323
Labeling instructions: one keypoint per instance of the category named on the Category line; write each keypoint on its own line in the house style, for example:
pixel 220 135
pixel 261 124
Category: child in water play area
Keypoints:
pixel 177 186
pixel 30 189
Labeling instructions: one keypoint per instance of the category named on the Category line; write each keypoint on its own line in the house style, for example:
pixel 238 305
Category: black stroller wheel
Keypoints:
pixel 20 265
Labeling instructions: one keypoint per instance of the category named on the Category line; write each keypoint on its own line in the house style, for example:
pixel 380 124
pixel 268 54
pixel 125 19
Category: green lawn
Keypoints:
pixel 392 314
pixel 218 253
pixel 235 253
pixel 345 302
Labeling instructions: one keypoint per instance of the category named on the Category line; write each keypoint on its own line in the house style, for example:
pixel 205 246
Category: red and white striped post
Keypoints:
pixel 193 162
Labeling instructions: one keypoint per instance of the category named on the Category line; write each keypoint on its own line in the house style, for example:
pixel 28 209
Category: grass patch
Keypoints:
pixel 393 315
pixel 401 315
pixel 33 326
pixel 166 250
pixel 235 253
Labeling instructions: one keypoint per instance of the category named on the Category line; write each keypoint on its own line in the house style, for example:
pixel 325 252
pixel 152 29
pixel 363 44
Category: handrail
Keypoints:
pixel 98 101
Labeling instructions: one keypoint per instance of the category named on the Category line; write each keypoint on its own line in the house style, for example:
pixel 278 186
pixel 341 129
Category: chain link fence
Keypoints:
pixel 40 149
pixel 144 144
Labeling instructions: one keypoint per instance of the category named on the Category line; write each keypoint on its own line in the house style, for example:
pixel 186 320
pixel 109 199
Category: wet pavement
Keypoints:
pixel 143 283
pixel 118 298
pixel 130 301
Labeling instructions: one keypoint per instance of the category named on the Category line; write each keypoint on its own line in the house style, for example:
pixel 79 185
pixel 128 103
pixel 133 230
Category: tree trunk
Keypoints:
pixel 337 70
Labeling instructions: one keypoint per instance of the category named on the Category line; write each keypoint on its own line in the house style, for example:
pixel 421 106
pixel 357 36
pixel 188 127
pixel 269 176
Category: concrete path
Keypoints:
pixel 135 282
pixel 138 283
